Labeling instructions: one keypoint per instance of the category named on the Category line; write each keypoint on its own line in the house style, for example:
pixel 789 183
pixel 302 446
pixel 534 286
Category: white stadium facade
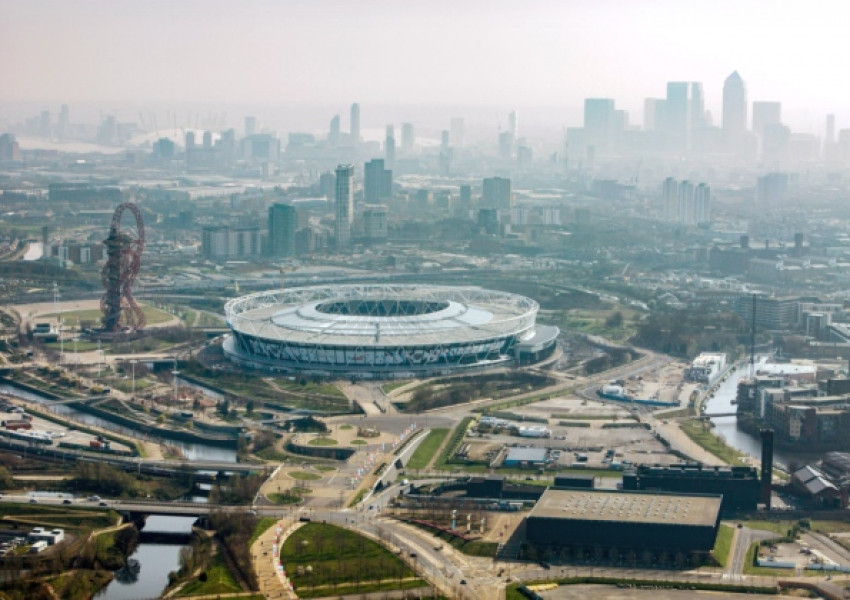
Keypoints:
pixel 384 331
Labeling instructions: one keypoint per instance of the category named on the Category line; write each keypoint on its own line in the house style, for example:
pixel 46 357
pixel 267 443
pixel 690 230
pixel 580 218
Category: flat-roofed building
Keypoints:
pixel 625 527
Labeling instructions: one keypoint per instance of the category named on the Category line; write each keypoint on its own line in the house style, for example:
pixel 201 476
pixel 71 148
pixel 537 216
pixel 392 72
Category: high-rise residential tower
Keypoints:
pixel 344 205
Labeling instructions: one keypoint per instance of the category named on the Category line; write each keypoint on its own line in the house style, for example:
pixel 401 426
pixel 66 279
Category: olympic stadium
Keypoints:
pixel 385 331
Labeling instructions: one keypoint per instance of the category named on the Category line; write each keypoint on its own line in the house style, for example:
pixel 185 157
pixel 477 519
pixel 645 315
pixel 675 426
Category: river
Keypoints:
pixel 155 561
pixel 192 451
pixel 727 428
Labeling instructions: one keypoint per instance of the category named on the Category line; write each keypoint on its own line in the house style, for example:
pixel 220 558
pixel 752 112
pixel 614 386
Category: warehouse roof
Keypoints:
pixel 532 455
pixel 640 507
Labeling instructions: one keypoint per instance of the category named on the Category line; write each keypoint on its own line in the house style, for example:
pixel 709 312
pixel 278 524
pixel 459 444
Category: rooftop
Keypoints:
pixel 640 507
pixel 527 454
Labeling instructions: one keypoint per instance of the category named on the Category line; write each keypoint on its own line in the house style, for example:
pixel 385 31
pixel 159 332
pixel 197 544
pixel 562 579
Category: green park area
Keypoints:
pixel 427 449
pixel 154 316
pixel 324 560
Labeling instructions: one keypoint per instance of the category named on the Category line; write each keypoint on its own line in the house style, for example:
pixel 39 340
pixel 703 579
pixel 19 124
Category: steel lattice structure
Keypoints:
pixel 123 259
pixel 379 329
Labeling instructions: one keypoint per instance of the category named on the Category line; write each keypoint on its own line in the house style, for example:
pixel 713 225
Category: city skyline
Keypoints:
pixel 539 54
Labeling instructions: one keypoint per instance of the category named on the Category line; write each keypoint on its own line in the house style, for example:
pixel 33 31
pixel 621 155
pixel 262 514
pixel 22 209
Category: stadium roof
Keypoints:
pixel 636 507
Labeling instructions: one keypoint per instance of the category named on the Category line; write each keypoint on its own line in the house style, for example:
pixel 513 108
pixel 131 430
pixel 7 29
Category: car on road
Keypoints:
pixel 66 501
pixel 33 501
pixel 94 498
pixel 103 504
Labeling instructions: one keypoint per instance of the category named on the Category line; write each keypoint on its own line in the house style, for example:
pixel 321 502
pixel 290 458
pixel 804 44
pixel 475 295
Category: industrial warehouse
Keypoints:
pixel 625 527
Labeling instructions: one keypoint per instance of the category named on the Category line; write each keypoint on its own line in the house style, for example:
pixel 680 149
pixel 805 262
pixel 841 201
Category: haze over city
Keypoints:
pixel 113 55
pixel 471 300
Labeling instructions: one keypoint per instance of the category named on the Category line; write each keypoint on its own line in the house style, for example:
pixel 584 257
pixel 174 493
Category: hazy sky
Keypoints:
pixel 494 52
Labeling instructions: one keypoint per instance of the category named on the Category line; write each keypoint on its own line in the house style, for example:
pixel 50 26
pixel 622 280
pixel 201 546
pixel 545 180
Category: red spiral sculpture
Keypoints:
pixel 123 259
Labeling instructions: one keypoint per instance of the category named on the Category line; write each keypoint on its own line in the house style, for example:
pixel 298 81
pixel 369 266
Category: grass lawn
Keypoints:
pixel 153 315
pixel 389 387
pixel 710 442
pixel 323 441
pixel 304 476
pixel 829 526
pixel 341 561
pixel 219 580
pixel 263 524
pixel 723 544
pixel 284 498
pixel 358 442
pixel 325 468
pixel 427 448
pixel 344 427
pixel 66 517
pixel 780 528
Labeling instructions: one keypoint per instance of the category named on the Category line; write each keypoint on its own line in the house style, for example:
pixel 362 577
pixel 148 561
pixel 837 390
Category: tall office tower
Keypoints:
pixel 444 140
pixel 377 182
pixel 506 144
pixel 465 201
pixel 697 118
pixel 44 125
pixel 764 114
pixel 333 132
pixel 734 112
pixel 327 186
pixel 250 125
pixel 702 204
pixel 344 205
pixel 64 119
pixel 283 222
pixel 190 141
pixel 670 192
pixel 389 146
pixel 686 203
pixel 598 122
pixel 355 123
pixel 207 140
pixel 408 139
pixel 497 193
pixel 513 124
pixel 678 114
pixel 457 129
pixel 828 150
pixel 653 114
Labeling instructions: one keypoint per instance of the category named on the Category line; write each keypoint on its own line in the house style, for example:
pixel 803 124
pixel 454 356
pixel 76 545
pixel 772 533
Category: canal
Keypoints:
pixel 192 451
pixel 155 562
pixel 727 427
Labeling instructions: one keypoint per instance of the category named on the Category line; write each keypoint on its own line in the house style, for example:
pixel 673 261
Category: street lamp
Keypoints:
pixel 133 362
